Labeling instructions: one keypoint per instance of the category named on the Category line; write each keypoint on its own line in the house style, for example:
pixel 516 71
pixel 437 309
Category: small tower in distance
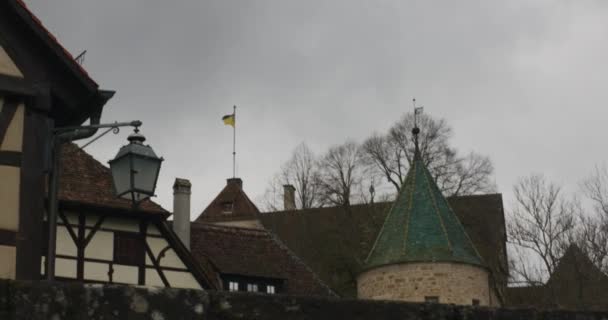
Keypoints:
pixel 423 253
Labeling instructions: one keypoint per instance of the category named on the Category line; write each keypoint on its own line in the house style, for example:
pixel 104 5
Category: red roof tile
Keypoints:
pixel 86 181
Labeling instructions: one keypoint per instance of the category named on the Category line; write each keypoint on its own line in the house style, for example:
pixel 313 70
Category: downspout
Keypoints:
pixel 57 141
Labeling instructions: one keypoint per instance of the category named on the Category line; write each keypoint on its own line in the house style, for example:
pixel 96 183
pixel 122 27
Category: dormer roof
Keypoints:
pixel 232 203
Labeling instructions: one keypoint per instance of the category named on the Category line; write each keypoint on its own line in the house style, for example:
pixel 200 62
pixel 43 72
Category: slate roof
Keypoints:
pixel 334 241
pixel 576 284
pixel 256 253
pixel 234 197
pixel 85 181
pixel 421 226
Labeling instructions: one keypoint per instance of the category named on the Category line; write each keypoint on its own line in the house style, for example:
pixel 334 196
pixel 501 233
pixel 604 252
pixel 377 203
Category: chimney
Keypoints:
pixel 181 210
pixel 289 197
pixel 236 181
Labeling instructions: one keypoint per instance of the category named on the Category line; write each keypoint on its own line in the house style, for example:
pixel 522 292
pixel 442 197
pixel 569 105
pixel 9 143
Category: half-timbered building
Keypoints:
pixel 41 87
pixel 100 238
pixel 103 238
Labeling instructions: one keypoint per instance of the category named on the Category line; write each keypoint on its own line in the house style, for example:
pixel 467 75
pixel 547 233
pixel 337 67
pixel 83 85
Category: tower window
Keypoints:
pixel 431 299
pixel 233 286
pixel 475 302
pixel 270 289
pixel 252 287
pixel 227 207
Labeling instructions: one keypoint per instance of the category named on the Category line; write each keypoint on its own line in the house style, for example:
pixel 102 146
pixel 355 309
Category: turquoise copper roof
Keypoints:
pixel 421 226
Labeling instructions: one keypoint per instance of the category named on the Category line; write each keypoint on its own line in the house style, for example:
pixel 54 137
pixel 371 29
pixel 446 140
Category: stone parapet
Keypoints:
pixel 71 301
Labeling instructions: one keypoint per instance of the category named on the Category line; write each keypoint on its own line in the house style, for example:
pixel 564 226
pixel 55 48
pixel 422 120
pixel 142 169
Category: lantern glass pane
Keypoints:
pixel 145 173
pixel 121 175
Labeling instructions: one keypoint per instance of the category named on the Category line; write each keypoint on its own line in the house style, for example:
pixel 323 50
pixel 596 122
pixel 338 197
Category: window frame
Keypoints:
pixel 233 286
pixel 133 243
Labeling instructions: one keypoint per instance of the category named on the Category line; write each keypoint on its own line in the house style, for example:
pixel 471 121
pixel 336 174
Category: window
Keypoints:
pixel 270 289
pixel 233 286
pixel 252 287
pixel 227 207
pixel 475 302
pixel 431 299
pixel 128 249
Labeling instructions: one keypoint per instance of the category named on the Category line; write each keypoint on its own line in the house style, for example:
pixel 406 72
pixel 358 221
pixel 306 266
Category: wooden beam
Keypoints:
pixel 16 86
pixel 80 246
pixel 6 116
pixel 10 158
pixel 8 237
pixel 94 230
pixel 69 227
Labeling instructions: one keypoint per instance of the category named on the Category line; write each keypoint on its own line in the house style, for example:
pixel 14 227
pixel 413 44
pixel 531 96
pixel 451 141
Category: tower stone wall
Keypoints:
pixel 452 283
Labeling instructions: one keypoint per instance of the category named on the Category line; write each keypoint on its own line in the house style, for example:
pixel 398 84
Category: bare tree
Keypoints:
pixel 593 234
pixel 542 223
pixel 392 153
pixel 341 173
pixel 301 171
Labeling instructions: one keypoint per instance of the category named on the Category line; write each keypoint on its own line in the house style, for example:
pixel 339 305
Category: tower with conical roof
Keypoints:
pixel 423 253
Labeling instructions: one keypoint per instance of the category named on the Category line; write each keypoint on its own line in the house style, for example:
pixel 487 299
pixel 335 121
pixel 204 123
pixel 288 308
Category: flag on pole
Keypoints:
pixel 418 110
pixel 229 120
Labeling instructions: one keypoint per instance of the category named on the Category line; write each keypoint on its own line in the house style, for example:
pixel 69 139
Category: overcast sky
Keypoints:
pixel 523 82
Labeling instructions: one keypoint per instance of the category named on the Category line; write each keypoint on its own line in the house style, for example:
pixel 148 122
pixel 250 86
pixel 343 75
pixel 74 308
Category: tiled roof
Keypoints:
pixel 334 241
pixel 52 40
pixel 234 198
pixel 421 226
pixel 255 253
pixel 576 284
pixel 86 181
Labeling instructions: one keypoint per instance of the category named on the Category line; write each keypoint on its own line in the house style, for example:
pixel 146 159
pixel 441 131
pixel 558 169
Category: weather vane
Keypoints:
pixel 417 111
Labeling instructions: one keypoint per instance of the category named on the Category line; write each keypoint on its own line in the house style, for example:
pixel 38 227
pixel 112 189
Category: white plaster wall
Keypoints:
pixel 65 268
pixel 181 280
pixel 7 262
pixel 65 244
pixel 152 229
pixel 72 218
pixel 170 259
pixel 10 181
pixel 7 66
pixel 125 274
pixel 101 246
pixel 153 279
pixel 96 271
pixel 13 139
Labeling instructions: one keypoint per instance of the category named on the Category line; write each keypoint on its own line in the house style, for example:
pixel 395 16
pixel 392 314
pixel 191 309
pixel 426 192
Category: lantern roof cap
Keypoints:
pixel 136 147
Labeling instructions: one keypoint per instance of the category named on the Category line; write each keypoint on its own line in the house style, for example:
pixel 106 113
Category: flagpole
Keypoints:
pixel 234 144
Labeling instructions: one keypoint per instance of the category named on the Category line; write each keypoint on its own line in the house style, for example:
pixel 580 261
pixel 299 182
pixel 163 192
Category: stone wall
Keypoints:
pixel 61 301
pixel 450 282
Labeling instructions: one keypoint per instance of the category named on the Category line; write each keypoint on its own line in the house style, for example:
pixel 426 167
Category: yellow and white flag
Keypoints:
pixel 229 120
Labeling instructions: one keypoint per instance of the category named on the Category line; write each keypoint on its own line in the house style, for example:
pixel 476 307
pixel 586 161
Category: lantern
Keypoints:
pixel 135 169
